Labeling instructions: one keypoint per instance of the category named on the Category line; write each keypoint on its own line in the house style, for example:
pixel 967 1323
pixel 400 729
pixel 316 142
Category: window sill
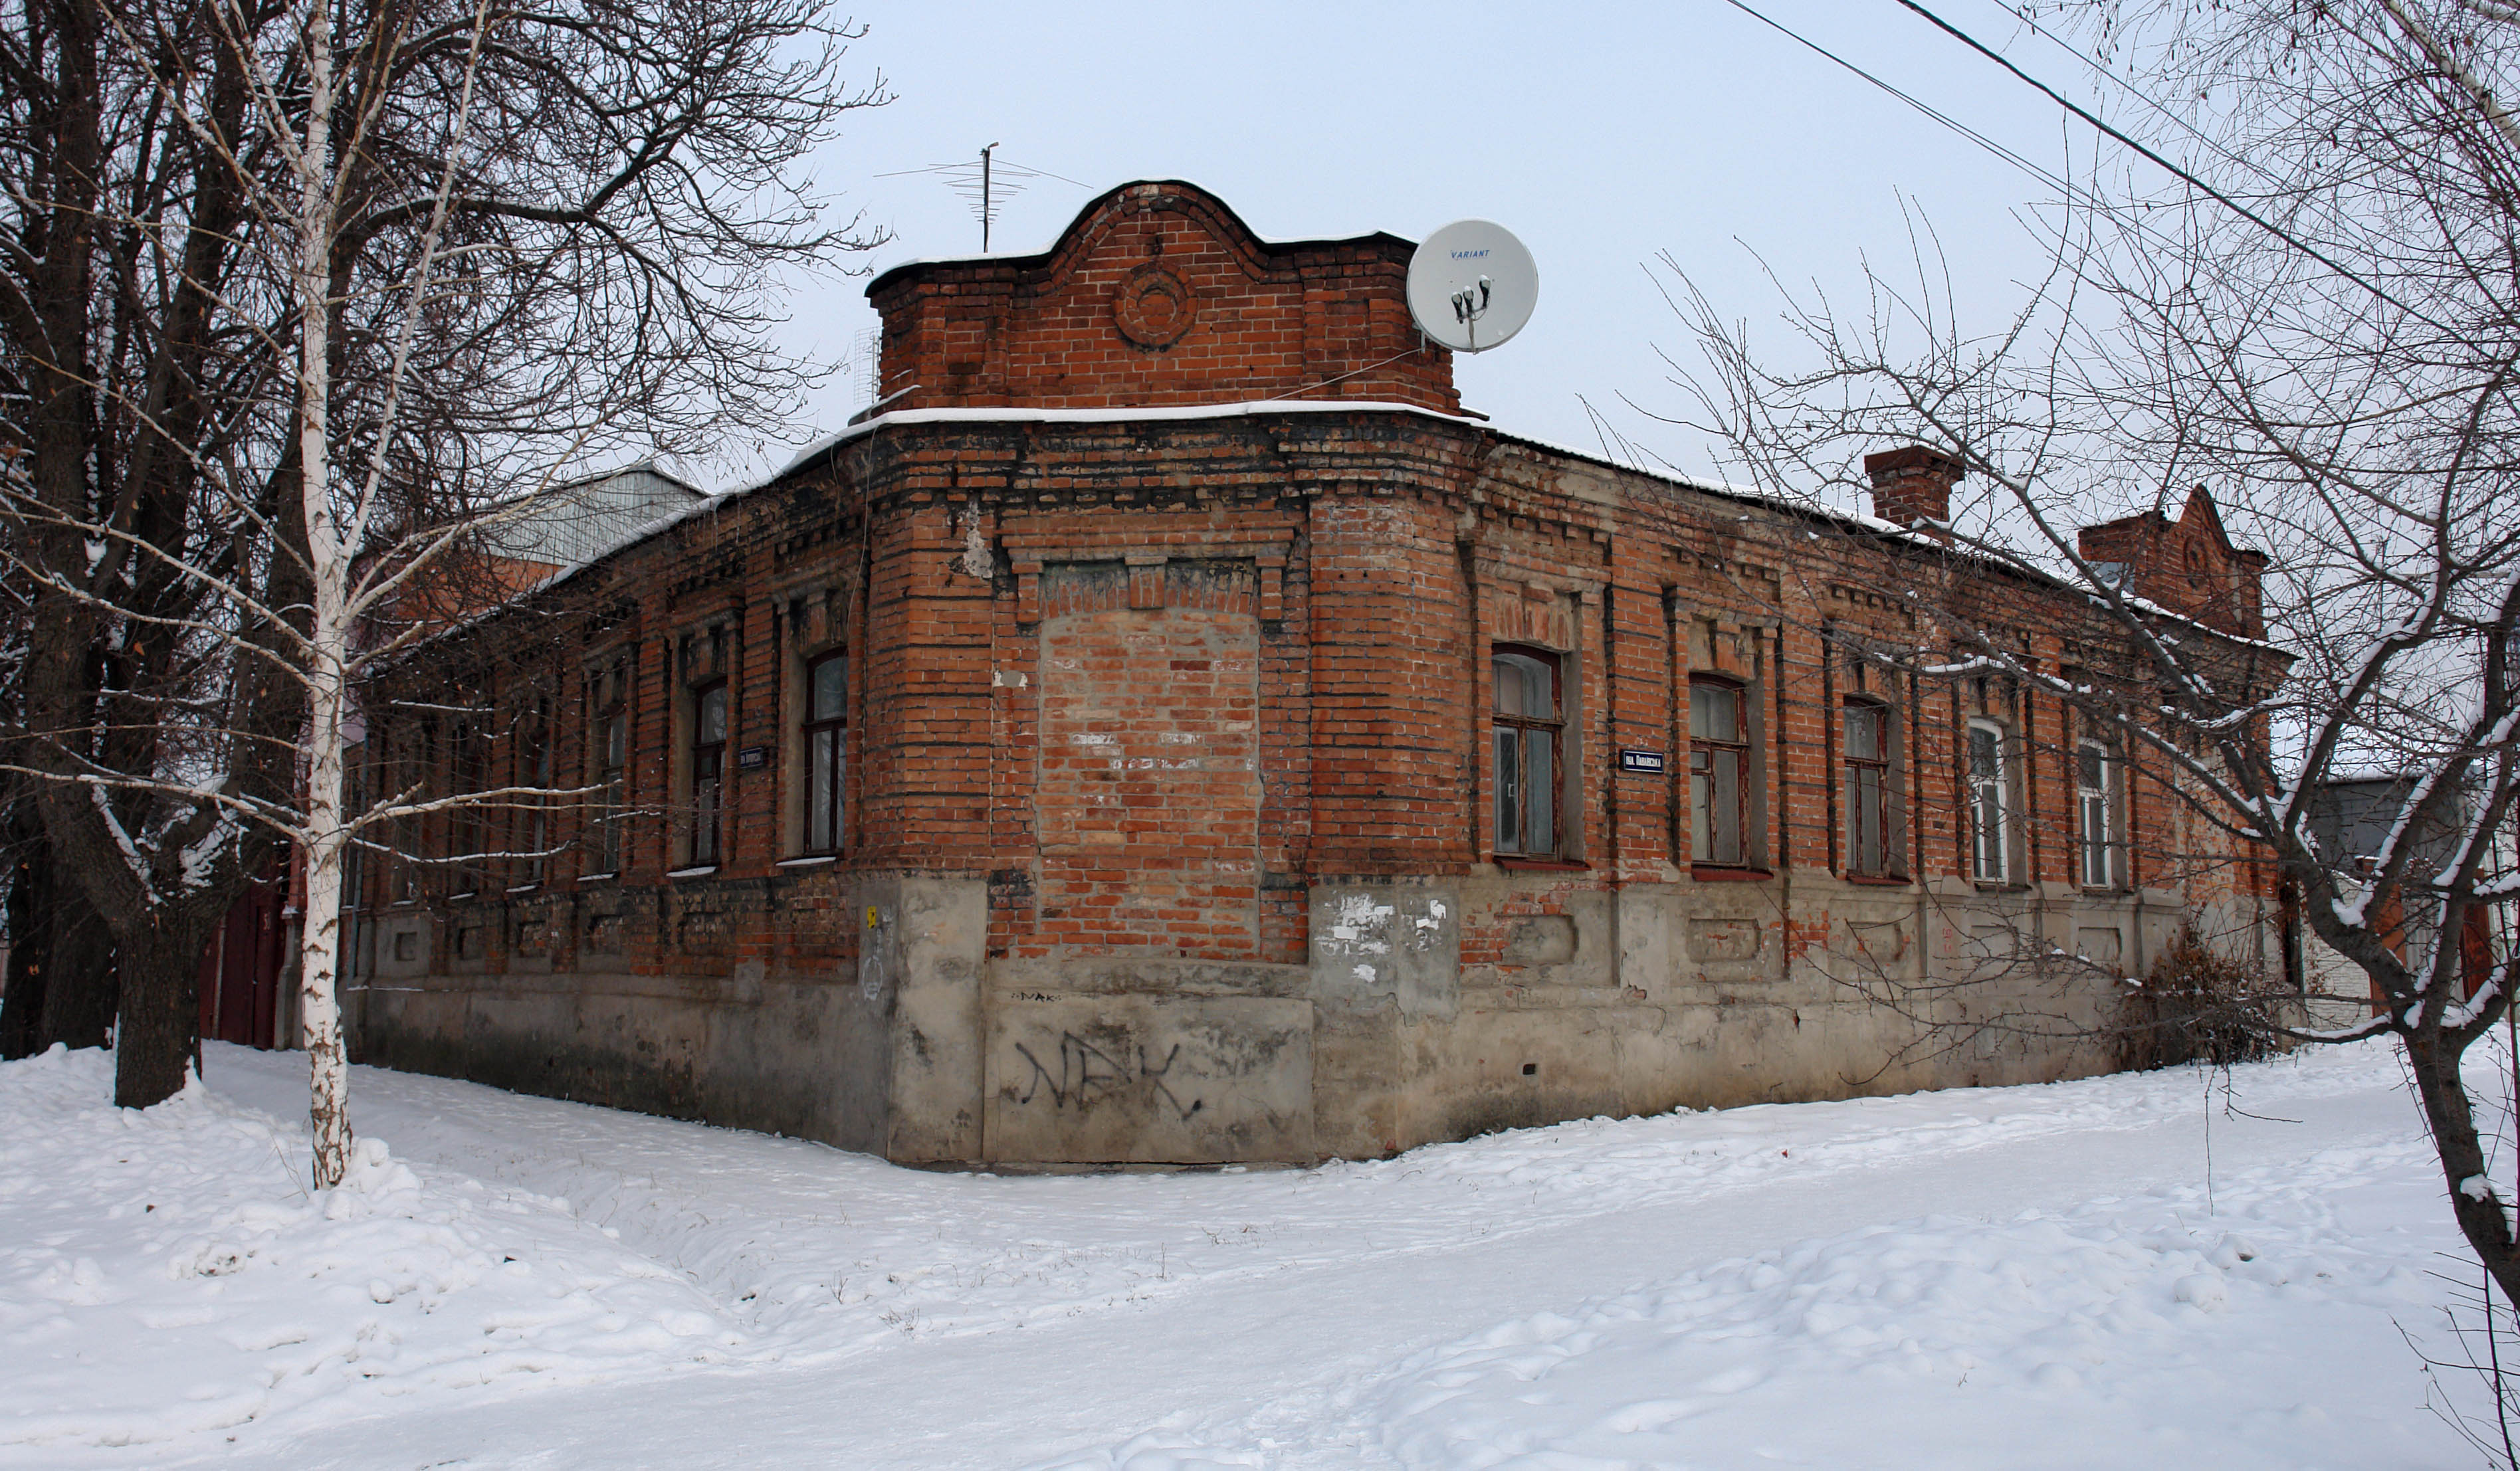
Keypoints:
pixel 1876 881
pixel 1727 873
pixel 1540 866
pixel 696 871
pixel 524 888
pixel 599 877
pixel 808 861
pixel 1998 886
pixel 467 894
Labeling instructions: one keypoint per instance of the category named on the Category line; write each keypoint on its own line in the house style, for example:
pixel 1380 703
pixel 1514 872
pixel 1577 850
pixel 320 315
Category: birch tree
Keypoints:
pixel 476 243
pixel 2292 276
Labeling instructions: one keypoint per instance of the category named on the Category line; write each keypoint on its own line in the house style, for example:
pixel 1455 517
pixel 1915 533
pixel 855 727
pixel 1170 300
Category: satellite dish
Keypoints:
pixel 1471 286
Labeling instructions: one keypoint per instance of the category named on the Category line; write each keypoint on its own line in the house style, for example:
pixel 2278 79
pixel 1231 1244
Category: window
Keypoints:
pixel 1990 798
pixel 1720 789
pixel 826 730
pixel 470 827
pixel 537 774
pixel 609 754
pixel 1529 723
pixel 1866 750
pixel 409 761
pixel 708 770
pixel 2096 809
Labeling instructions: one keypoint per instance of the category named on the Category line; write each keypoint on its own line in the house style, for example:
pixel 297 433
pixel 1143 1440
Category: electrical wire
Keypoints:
pixel 2055 181
pixel 2176 172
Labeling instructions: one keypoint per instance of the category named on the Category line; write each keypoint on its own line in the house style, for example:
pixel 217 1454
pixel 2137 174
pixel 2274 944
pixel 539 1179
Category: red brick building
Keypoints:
pixel 1166 728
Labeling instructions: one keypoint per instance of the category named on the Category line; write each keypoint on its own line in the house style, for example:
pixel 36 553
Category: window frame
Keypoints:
pixel 469 758
pixel 1883 766
pixel 1977 787
pixel 535 810
pixel 831 805
pixel 607 750
pixel 2105 840
pixel 1744 747
pixel 1553 727
pixel 708 772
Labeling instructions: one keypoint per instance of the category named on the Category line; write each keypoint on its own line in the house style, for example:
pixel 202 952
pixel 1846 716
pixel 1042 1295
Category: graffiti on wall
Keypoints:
pixel 1086 1073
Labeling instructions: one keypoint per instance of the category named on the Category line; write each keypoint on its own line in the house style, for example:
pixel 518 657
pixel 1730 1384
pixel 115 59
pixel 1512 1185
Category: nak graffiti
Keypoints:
pixel 1087 1073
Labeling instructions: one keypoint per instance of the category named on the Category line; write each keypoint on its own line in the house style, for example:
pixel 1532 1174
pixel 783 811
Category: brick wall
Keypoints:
pixel 1157 296
pixel 1147 808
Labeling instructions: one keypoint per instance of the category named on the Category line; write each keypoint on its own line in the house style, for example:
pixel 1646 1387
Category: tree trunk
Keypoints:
pixel 21 1006
pixel 2482 1215
pixel 61 958
pixel 81 981
pixel 159 1030
pixel 329 631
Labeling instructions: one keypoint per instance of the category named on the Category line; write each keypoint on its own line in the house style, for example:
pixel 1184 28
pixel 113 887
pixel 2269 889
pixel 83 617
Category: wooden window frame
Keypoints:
pixel 2103 840
pixel 832 803
pixel 1882 770
pixel 1704 752
pixel 469 761
pixel 1525 724
pixel 1979 785
pixel 533 816
pixel 609 753
pixel 708 773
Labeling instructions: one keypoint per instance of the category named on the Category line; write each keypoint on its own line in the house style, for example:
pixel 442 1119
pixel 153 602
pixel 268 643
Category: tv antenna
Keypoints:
pixel 1472 285
pixel 984 183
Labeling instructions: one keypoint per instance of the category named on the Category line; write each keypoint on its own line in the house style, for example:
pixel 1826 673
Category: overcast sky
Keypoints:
pixel 1603 136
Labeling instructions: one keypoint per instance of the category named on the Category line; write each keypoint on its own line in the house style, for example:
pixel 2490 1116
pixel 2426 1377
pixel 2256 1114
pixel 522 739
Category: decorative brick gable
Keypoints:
pixel 1157 296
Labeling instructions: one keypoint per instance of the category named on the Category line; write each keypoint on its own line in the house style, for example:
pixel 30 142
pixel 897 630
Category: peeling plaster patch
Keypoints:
pixel 1429 927
pixel 1360 909
pixel 1358 918
pixel 1365 972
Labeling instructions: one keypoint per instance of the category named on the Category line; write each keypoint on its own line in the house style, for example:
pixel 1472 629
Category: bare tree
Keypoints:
pixel 2303 292
pixel 462 246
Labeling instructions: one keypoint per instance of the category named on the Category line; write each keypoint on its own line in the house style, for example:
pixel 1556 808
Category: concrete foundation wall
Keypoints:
pixel 1627 1002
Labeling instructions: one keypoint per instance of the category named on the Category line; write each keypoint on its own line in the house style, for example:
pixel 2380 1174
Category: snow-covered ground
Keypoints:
pixel 2125 1271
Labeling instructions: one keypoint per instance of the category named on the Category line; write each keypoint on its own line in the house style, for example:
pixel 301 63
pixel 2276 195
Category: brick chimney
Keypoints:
pixel 1914 483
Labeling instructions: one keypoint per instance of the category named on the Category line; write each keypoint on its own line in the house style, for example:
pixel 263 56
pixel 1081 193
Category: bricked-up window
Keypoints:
pixel 1870 851
pixel 826 752
pixel 1989 799
pixel 2096 780
pixel 1529 728
pixel 708 770
pixel 1720 785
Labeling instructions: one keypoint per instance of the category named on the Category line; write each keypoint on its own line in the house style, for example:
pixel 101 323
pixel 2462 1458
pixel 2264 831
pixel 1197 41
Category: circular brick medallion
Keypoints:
pixel 1154 307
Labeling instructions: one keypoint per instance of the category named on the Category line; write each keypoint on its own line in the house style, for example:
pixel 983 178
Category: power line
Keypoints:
pixel 2055 181
pixel 2035 170
pixel 2175 170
